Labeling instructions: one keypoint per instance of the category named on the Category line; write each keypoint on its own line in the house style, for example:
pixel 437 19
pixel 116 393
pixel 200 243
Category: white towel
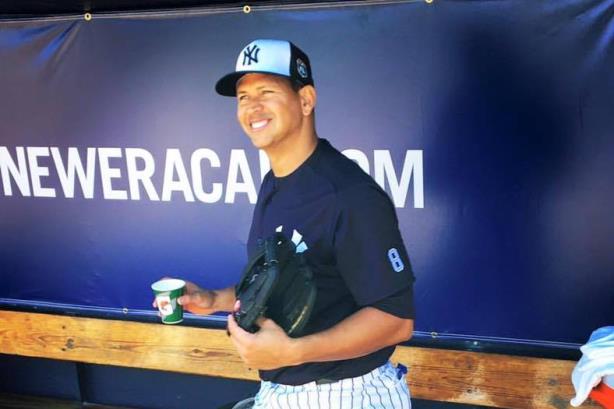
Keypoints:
pixel 597 362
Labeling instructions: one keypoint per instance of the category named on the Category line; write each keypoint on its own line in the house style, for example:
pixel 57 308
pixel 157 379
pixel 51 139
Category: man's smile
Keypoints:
pixel 259 124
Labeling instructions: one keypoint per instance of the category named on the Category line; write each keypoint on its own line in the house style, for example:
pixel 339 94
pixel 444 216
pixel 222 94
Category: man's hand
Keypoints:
pixel 198 300
pixel 204 302
pixel 269 348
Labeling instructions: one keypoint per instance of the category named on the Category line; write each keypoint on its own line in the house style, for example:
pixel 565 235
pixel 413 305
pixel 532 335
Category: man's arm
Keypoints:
pixel 362 333
pixel 365 331
pixel 202 301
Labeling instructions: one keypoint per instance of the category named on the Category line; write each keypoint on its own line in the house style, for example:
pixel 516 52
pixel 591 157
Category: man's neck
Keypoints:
pixel 287 157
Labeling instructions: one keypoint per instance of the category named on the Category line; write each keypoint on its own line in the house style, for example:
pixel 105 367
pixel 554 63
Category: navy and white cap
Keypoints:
pixel 277 57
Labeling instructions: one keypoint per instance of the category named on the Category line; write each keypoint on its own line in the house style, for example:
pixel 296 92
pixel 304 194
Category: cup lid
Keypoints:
pixel 168 284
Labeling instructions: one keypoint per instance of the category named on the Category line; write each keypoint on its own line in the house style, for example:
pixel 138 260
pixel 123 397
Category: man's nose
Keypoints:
pixel 254 105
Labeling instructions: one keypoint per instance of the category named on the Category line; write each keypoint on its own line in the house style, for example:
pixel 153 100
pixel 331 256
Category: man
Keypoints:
pixel 348 231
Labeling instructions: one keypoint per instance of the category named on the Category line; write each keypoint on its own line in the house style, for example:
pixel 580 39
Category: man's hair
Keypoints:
pixel 296 85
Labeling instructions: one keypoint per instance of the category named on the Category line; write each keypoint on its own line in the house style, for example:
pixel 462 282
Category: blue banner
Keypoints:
pixel 488 123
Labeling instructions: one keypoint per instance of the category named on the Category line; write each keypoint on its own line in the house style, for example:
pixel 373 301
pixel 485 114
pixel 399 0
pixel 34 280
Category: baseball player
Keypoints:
pixel 345 225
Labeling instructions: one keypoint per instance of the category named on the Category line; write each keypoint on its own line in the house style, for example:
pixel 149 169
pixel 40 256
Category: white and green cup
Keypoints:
pixel 167 291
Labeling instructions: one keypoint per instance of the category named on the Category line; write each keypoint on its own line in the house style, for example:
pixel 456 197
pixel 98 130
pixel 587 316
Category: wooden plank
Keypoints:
pixel 123 343
pixel 500 381
pixel 443 375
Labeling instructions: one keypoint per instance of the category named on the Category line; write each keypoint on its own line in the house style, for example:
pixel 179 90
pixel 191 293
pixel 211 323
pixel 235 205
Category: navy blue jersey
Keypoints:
pixel 346 226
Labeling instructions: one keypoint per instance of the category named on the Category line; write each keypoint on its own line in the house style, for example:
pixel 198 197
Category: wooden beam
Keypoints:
pixel 454 376
pixel 495 380
pixel 123 343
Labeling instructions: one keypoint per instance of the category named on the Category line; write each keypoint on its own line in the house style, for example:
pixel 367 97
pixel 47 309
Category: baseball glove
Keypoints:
pixel 277 283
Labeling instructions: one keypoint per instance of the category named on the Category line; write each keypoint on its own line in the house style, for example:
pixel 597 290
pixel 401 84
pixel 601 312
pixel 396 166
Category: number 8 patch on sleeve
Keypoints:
pixel 395 260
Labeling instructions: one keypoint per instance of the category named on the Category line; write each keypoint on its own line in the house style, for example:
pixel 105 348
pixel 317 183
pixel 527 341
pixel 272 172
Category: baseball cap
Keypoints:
pixel 277 57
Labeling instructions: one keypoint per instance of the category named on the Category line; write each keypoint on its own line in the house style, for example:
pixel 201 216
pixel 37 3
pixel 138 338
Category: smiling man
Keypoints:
pixel 348 233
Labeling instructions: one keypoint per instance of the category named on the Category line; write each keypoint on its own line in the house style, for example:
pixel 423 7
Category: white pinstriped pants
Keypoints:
pixel 378 389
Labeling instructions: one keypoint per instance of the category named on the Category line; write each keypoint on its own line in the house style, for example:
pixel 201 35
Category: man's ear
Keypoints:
pixel 308 99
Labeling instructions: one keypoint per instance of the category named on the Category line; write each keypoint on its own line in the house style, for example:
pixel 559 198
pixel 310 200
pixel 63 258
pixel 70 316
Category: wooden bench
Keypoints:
pixel 494 380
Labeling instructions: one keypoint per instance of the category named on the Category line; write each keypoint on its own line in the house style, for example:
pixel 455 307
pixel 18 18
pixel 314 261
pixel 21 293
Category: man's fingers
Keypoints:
pixel 195 298
pixel 267 323
pixel 191 287
pixel 262 321
pixel 232 324
pixel 231 329
pixel 199 298
pixel 237 334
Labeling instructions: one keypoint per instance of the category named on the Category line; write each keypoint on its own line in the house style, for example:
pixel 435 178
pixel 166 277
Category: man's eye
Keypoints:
pixel 242 97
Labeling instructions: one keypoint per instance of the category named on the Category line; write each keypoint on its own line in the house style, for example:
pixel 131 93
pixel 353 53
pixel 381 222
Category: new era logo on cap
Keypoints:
pixel 277 57
pixel 302 69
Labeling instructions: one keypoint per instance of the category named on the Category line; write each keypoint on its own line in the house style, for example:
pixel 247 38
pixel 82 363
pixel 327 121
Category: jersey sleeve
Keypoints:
pixel 400 304
pixel 369 251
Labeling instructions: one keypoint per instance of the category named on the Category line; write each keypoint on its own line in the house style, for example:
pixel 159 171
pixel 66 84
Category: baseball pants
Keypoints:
pixel 383 388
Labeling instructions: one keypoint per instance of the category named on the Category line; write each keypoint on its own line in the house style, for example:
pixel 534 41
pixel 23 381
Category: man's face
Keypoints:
pixel 268 109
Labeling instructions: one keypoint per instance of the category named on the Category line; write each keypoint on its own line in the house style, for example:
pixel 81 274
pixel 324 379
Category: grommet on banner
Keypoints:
pixel 87 16
pixel 247 9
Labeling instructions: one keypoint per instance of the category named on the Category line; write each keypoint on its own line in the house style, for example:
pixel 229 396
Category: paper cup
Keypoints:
pixel 167 291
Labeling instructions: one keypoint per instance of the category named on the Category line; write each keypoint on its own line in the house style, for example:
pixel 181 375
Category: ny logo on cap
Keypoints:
pixel 250 54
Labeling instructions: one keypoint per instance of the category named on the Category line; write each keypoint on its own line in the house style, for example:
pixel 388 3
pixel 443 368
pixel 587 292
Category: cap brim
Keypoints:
pixel 227 85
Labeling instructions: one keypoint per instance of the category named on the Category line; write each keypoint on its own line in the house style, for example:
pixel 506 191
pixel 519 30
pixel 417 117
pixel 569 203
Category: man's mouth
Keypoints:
pixel 257 125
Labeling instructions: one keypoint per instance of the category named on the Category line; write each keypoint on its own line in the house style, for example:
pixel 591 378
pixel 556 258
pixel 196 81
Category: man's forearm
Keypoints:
pixel 362 333
pixel 224 299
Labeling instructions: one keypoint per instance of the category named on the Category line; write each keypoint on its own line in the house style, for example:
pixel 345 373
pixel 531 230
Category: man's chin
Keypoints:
pixel 260 142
